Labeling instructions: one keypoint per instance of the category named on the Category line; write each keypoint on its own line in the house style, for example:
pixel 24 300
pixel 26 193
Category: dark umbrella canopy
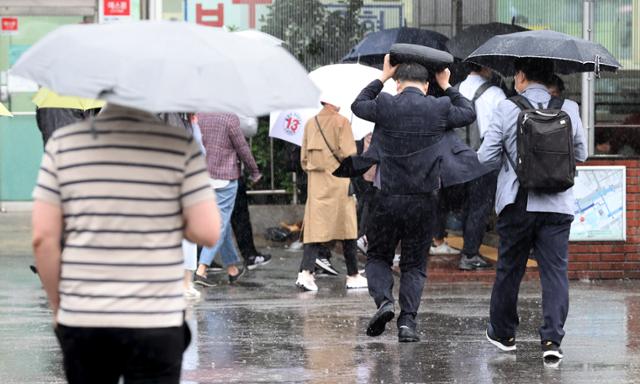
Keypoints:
pixel 468 40
pixel 374 46
pixel 570 54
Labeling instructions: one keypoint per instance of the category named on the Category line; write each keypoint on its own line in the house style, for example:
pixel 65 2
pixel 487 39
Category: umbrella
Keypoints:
pixel 46 98
pixel 374 46
pixel 340 84
pixel 570 54
pixel 469 39
pixel 4 111
pixel 257 35
pixel 168 67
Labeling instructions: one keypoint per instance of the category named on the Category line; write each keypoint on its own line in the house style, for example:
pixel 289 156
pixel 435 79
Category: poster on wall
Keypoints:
pixel 113 11
pixel 9 25
pixel 247 14
pixel 600 212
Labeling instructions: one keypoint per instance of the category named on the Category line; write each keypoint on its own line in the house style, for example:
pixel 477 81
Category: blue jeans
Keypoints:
pixel 226 197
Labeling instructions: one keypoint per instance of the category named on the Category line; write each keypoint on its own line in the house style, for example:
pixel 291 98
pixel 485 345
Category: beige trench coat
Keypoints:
pixel 330 213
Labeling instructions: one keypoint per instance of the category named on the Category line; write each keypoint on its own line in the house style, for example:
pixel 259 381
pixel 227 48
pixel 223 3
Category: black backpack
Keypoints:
pixel 471 133
pixel 546 161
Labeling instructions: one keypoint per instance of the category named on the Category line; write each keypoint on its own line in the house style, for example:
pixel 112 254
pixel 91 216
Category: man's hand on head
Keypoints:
pixel 442 78
pixel 387 69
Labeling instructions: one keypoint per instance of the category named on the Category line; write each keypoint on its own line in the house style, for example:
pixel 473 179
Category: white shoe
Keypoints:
pixel 306 281
pixel 443 249
pixel 192 293
pixel 356 282
pixel 362 244
pixel 295 246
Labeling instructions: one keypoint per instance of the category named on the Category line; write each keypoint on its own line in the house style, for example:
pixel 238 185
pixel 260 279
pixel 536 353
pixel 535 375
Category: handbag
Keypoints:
pixel 351 187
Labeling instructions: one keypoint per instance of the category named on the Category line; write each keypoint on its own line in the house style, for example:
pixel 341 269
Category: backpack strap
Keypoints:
pixel 556 103
pixel 521 102
pixel 481 89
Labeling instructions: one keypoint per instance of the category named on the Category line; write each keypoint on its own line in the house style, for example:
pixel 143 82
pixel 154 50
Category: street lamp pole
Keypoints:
pixel 588 79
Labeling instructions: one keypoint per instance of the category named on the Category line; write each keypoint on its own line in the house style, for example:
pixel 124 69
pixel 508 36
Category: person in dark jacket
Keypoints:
pixel 416 153
pixel 50 119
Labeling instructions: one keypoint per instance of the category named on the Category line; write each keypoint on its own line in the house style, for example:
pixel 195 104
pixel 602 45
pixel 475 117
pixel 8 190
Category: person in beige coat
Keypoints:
pixel 330 212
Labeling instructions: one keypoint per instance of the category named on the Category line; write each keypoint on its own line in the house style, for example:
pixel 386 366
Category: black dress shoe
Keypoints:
pixel 407 335
pixel 234 278
pixel 379 321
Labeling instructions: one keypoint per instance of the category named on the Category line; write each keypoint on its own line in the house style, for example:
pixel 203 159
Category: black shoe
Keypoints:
pixel 407 334
pixel 473 263
pixel 215 267
pixel 256 261
pixel 506 344
pixel 204 281
pixel 379 321
pixel 551 351
pixel 326 266
pixel 234 278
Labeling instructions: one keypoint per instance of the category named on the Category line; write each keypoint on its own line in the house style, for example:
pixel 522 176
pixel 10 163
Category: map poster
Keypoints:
pixel 600 213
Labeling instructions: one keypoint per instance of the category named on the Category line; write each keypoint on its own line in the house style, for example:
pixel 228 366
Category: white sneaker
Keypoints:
pixel 443 249
pixel 295 246
pixel 192 293
pixel 363 244
pixel 306 281
pixel 356 282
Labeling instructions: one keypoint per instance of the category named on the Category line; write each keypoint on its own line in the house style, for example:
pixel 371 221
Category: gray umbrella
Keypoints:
pixel 570 54
pixel 168 67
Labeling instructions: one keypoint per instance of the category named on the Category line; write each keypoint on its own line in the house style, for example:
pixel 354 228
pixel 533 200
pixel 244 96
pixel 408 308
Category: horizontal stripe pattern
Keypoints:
pixel 122 193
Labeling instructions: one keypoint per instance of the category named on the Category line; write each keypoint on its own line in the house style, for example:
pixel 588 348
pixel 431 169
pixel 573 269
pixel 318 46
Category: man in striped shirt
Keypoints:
pixel 121 191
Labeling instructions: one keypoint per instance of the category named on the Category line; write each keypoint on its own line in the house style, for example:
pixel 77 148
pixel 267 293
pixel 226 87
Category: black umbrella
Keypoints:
pixel 569 54
pixel 374 46
pixel 469 39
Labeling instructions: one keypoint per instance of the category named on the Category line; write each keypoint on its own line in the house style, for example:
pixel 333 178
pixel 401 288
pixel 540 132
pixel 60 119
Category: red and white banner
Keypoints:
pixel 9 25
pixel 120 8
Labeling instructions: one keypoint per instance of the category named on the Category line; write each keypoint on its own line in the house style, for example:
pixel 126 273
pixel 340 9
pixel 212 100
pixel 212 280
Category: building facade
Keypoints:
pixel 319 32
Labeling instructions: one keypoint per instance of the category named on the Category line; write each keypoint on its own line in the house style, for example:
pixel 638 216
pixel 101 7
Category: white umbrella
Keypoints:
pixel 168 67
pixel 340 84
pixel 262 36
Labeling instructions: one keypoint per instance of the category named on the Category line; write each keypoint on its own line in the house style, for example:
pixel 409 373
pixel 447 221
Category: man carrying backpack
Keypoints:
pixel 534 200
pixel 477 194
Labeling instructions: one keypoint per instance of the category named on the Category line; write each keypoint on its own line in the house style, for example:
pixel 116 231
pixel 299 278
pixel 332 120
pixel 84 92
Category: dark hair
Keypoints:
pixel 535 69
pixel 472 67
pixel 411 72
pixel 557 82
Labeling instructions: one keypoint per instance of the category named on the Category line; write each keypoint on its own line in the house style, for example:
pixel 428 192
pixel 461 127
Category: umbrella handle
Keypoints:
pixel 596 68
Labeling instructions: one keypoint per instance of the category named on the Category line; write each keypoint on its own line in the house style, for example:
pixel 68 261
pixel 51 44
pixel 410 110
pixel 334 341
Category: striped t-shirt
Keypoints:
pixel 122 186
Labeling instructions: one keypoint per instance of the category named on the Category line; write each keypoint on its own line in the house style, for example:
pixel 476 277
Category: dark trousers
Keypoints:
pixel 241 222
pixel 408 220
pixel 103 355
pixel 366 198
pixel 479 196
pixel 475 199
pixel 312 251
pixel 548 234
pixel 446 200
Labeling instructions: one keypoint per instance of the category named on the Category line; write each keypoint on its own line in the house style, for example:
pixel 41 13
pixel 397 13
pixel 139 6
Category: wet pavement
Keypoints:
pixel 266 331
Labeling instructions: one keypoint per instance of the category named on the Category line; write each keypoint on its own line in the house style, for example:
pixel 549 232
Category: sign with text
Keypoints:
pixel 9 25
pixel 116 10
pixel 235 14
pixel 116 7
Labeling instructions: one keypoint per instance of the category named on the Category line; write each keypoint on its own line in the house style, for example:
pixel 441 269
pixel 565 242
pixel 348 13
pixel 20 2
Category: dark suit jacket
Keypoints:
pixel 413 141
